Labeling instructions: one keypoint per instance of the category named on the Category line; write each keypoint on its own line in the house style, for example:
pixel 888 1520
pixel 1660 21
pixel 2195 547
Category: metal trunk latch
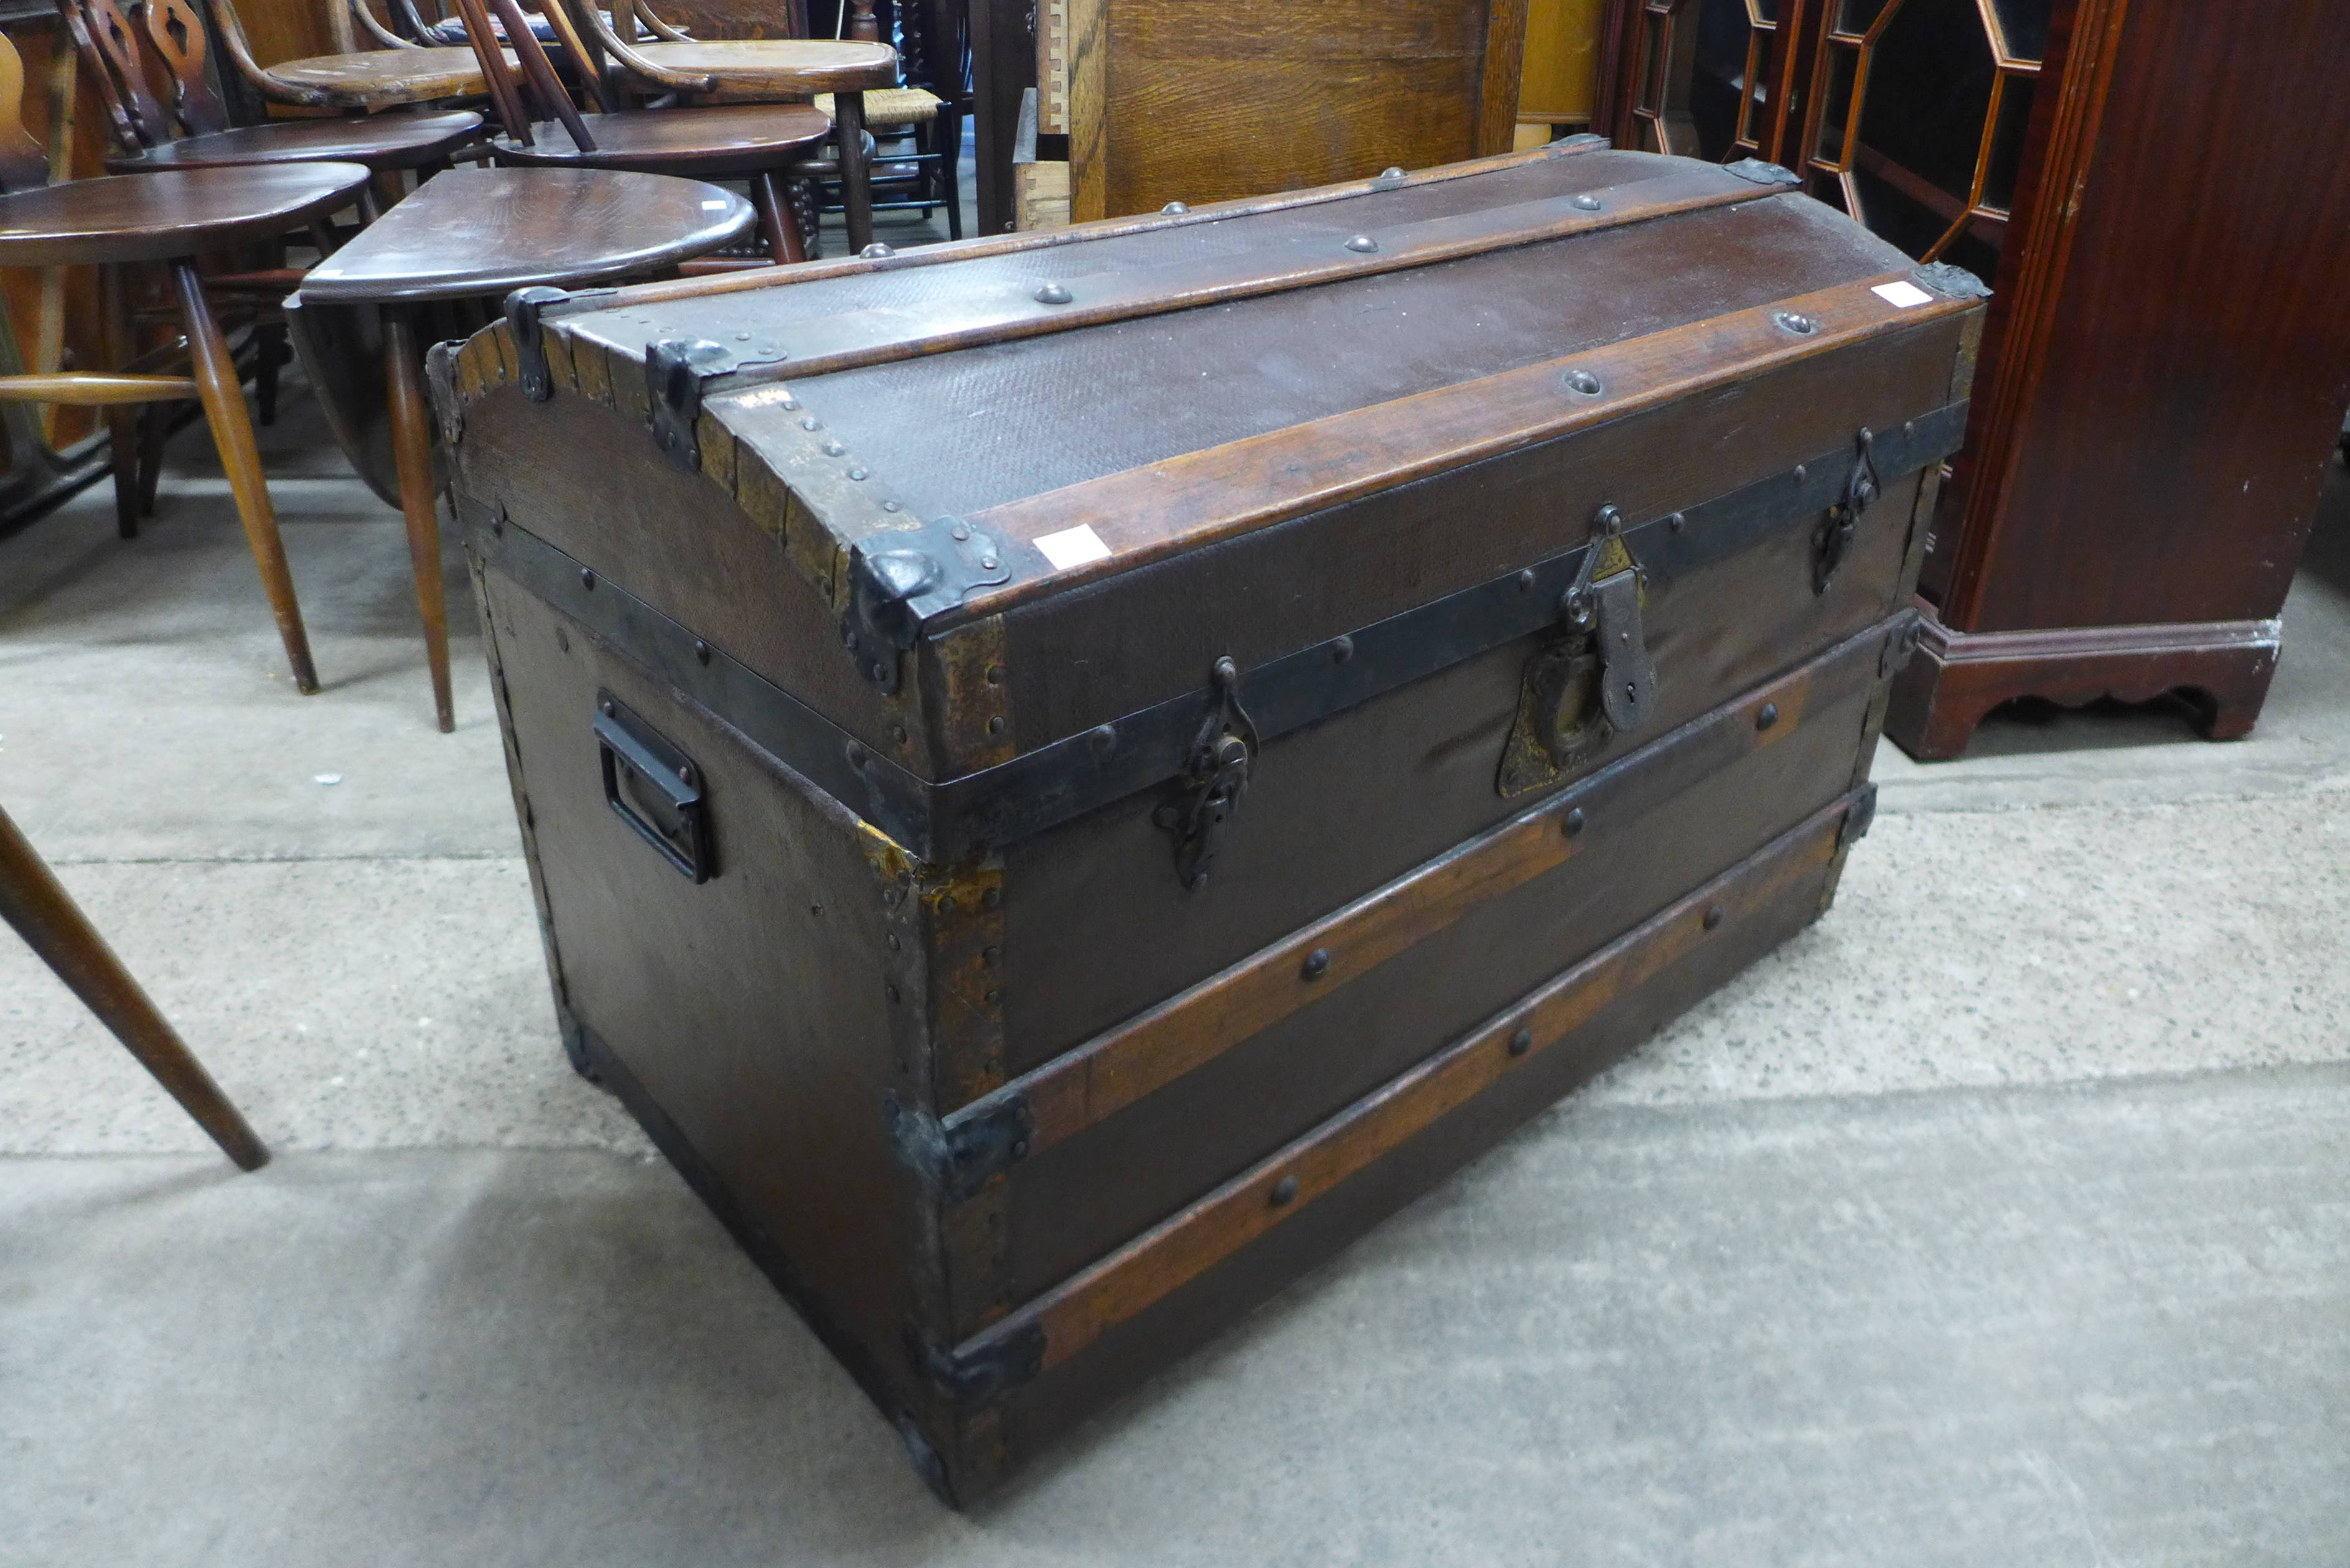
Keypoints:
pixel 1831 540
pixel 1597 682
pixel 1215 775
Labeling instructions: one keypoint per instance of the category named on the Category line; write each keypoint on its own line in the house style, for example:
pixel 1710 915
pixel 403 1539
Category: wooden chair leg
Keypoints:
pixel 781 224
pixel 34 902
pixel 269 343
pixel 856 173
pixel 155 429
pixel 223 396
pixel 121 419
pixel 947 131
pixel 411 446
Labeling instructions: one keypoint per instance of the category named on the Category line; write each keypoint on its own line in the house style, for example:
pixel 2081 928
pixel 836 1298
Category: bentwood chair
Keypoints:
pixel 399 74
pixel 740 70
pixel 760 143
pixel 193 131
pixel 469 235
pixel 171 218
pixel 34 902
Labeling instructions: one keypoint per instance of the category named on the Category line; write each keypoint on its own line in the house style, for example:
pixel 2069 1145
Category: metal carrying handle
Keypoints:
pixel 655 788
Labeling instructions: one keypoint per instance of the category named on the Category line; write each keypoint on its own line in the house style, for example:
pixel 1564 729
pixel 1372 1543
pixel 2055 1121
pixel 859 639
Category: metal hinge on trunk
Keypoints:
pixel 1215 776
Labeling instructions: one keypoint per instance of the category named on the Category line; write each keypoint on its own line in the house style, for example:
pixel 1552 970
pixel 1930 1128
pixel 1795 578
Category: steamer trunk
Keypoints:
pixel 1068 775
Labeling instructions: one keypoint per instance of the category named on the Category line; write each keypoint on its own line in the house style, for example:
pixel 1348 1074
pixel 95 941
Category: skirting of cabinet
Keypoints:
pixel 2222 668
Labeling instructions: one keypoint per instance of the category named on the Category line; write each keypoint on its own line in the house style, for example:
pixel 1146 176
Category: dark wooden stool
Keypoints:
pixel 34 902
pixel 472 234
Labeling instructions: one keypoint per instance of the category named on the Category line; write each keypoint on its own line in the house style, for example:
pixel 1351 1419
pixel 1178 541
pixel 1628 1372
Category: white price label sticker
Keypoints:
pixel 1073 547
pixel 1902 296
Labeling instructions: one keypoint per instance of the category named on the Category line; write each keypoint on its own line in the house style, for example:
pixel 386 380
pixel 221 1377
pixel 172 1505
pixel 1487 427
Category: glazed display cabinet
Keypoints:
pixel 2156 192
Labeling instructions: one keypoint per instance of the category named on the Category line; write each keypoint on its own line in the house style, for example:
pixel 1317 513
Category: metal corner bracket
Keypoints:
pixel 1952 281
pixel 676 371
pixel 900 577
pixel 974 1378
pixel 1762 173
pixel 958 1157
pixel 526 310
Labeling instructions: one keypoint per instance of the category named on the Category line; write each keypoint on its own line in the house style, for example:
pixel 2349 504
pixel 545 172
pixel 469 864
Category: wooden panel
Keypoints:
pixel 1121 1286
pixel 1169 101
pixel 1554 85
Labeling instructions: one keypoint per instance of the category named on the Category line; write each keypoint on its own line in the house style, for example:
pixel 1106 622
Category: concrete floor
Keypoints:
pixel 2001 1218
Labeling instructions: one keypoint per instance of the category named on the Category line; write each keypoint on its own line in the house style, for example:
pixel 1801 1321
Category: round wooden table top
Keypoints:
pixel 475 232
pixel 379 141
pixel 156 217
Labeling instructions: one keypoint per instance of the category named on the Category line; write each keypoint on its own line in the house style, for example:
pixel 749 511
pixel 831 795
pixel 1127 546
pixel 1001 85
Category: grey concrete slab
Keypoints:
pixel 145 708
pixel 341 1003
pixel 1968 1327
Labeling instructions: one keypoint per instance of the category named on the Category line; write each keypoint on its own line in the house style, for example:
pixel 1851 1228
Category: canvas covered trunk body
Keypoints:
pixel 1068 775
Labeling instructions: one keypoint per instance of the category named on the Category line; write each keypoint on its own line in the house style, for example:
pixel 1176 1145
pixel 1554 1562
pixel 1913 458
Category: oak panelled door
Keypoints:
pixel 1908 114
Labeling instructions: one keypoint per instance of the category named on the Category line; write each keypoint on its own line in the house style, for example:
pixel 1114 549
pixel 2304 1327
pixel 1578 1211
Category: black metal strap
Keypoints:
pixel 1055 783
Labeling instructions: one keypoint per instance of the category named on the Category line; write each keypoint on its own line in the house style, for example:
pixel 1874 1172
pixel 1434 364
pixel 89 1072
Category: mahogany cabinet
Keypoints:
pixel 2157 191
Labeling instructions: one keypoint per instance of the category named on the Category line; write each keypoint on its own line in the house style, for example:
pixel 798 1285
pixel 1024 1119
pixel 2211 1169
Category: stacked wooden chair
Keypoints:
pixel 193 131
pixel 546 128
pixel 740 110
pixel 119 220
pixel 918 125
pixel 400 74
pixel 193 185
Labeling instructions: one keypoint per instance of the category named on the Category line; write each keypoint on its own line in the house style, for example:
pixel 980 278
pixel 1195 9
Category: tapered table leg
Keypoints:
pixel 411 446
pixel 218 388
pixel 34 902
pixel 856 173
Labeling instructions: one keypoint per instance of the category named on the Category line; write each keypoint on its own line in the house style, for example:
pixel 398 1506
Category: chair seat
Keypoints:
pixel 893 108
pixel 476 231
pixel 381 79
pixel 379 141
pixel 796 66
pixel 155 217
pixel 705 142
